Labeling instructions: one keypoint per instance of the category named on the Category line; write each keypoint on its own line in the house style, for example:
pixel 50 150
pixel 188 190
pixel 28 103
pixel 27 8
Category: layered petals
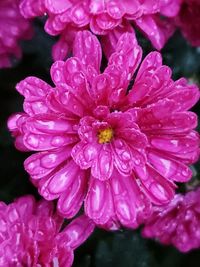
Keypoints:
pixel 188 20
pixel 13 28
pixel 33 232
pixel 176 223
pixel 100 142
pixel 109 19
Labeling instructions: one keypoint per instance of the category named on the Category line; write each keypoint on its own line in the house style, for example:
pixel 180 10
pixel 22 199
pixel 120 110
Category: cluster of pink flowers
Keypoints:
pixel 188 20
pixel 117 151
pixel 31 235
pixel 108 18
pixel 13 28
pixel 114 142
pixel 177 223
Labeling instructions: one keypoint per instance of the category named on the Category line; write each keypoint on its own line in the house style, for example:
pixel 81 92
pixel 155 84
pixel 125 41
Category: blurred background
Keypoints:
pixel 104 249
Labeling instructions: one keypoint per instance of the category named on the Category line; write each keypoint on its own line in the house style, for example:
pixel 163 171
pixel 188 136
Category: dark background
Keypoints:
pixel 104 249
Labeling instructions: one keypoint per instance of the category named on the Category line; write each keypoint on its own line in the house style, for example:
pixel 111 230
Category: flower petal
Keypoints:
pixel 71 200
pixel 63 178
pixel 149 65
pixel 184 94
pixel 84 154
pixel 35 91
pixel 176 145
pixel 158 189
pixel 57 72
pixel 123 159
pixel 102 165
pixel 99 203
pixel 43 163
pixel 78 231
pixel 127 48
pixel 157 30
pixel 50 124
pixel 131 206
pixel 58 6
pixel 41 142
pixel 87 48
pixel 168 167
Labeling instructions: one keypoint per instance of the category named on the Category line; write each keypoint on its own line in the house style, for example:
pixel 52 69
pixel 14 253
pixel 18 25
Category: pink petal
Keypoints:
pixel 123 159
pixel 98 202
pixel 57 72
pixel 105 22
pixel 63 178
pixel 102 165
pixel 35 91
pixel 73 65
pixel 184 94
pixel 79 15
pixel 128 200
pixel 32 8
pixel 33 87
pixel 95 28
pixel 176 144
pixel 71 102
pixel 162 118
pixel 97 7
pixel 101 88
pixel 157 30
pixel 71 200
pixel 115 9
pixel 78 231
pixel 57 6
pixel 87 48
pixel 43 188
pixel 150 7
pixel 127 48
pixel 42 142
pixel 175 123
pixel 50 124
pixel 151 88
pixel 149 65
pixel 170 8
pixel 158 189
pixel 19 144
pixel 15 122
pixel 140 90
pixel 41 164
pixel 168 167
pixel 110 40
pixel 84 154
pixel 133 136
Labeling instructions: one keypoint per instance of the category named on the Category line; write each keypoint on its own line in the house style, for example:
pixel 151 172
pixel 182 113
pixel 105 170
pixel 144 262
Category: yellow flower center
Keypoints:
pixel 105 135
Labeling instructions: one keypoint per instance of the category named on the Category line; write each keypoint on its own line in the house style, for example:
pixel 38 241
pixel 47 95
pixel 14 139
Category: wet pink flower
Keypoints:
pixel 13 28
pixel 118 150
pixel 177 223
pixel 31 235
pixel 108 18
pixel 188 20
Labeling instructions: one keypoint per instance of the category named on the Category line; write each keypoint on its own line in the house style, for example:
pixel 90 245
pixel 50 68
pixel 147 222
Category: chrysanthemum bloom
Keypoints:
pixel 108 18
pixel 116 149
pixel 177 223
pixel 31 235
pixel 13 28
pixel 188 20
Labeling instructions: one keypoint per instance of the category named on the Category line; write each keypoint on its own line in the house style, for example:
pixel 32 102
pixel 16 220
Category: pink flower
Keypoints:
pixel 107 18
pixel 177 223
pixel 13 28
pixel 117 150
pixel 188 20
pixel 30 234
